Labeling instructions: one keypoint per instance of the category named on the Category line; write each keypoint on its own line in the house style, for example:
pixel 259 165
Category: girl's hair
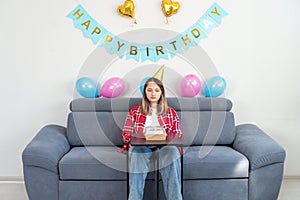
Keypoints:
pixel 162 105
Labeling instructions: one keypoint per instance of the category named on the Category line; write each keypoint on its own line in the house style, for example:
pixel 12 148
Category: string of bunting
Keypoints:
pixel 154 51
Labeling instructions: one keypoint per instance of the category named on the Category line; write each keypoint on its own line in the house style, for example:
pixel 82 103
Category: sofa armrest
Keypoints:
pixel 47 148
pixel 257 146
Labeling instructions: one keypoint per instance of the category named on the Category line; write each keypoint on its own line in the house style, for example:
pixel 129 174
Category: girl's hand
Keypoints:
pixel 124 148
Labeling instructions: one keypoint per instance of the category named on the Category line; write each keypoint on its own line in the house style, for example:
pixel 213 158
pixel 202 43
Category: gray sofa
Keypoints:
pixel 221 160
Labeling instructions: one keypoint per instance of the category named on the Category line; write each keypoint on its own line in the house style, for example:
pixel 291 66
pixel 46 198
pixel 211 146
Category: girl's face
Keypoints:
pixel 153 92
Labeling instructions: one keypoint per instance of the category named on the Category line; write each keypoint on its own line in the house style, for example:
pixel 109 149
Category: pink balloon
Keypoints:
pixel 113 87
pixel 190 85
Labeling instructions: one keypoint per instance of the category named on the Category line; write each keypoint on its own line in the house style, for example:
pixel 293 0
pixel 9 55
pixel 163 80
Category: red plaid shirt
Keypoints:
pixel 135 124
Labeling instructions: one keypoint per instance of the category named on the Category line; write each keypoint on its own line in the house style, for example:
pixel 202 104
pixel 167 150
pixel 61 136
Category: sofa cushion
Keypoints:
pixel 99 121
pixel 125 103
pixel 207 127
pixel 95 128
pixel 93 163
pixel 214 162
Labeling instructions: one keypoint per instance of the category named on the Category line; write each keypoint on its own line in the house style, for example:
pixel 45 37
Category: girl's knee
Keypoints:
pixel 139 150
pixel 170 150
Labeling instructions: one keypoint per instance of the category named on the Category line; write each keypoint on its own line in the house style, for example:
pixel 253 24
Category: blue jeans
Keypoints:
pixel 170 170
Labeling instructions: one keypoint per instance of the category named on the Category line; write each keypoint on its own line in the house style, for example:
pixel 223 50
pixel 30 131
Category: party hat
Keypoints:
pixel 160 73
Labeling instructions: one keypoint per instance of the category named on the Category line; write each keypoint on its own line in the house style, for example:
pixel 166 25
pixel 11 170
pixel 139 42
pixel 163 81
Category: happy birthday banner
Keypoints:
pixel 154 51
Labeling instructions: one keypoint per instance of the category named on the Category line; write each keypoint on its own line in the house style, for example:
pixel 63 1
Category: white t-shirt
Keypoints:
pixel 152 120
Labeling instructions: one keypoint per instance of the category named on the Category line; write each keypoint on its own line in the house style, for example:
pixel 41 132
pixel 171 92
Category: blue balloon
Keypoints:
pixel 143 83
pixel 86 87
pixel 215 87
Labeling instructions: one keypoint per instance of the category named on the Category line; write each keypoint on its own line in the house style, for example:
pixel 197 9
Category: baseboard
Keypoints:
pixel 11 179
pixel 291 178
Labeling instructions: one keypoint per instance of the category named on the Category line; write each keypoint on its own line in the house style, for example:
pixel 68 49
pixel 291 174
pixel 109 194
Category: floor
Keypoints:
pixel 15 190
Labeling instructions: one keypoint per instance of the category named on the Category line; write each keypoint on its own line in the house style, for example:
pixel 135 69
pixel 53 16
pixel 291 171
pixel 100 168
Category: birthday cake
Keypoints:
pixel 155 133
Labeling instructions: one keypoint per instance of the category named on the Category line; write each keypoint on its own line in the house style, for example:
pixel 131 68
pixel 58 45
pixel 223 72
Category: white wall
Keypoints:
pixel 255 49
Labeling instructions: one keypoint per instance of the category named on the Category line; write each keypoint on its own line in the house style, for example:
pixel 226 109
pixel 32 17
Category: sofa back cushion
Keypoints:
pixel 99 121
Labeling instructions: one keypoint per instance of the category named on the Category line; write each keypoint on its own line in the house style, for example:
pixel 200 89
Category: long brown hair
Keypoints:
pixel 162 105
